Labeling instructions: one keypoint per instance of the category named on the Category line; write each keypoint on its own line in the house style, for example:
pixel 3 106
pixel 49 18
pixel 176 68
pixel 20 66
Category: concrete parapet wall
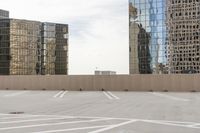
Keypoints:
pixel 97 83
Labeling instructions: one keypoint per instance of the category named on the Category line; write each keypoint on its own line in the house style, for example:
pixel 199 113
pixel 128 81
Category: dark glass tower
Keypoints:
pixel 4 14
pixel 54 48
pixel 33 48
pixel 20 43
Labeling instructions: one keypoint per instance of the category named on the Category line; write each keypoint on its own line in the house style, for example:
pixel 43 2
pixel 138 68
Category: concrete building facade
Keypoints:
pixel 170 37
pixel 183 28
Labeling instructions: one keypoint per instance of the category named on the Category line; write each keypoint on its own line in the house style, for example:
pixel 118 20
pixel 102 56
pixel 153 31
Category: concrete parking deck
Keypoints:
pixel 99 112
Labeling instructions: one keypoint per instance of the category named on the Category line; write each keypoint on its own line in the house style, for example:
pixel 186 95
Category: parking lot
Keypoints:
pixel 99 112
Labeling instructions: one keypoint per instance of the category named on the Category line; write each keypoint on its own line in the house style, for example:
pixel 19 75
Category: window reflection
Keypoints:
pixel 147 37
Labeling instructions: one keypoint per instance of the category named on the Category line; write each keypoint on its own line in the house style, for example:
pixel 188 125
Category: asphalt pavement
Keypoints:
pixel 98 112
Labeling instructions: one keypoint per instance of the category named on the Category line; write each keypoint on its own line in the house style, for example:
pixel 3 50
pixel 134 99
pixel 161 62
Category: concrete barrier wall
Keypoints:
pixel 96 83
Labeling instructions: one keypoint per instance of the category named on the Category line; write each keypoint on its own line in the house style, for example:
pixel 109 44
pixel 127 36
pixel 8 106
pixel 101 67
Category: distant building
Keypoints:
pixel 54 49
pixel 164 36
pixel 105 73
pixel 139 51
pixel 20 43
pixel 4 14
pixel 33 48
pixel 183 23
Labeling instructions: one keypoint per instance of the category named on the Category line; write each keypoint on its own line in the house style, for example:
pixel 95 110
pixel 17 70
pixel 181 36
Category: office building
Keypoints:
pixel 33 48
pixel 147 35
pixel 54 48
pixel 183 29
pixel 105 73
pixel 164 36
pixel 19 47
pixel 4 14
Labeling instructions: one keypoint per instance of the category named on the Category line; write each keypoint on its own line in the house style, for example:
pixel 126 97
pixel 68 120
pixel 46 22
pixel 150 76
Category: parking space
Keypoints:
pixel 98 112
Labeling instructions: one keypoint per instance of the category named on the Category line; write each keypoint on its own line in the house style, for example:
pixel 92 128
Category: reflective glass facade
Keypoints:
pixel 33 48
pixel 147 36
pixel 48 48
pixel 19 45
pixel 61 64
pixel 4 14
pixel 54 48
pixel 164 36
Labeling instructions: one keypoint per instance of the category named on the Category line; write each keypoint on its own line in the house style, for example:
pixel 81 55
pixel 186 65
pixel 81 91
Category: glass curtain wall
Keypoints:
pixel 33 48
pixel 54 49
pixel 4 46
pixel 4 14
pixel 61 53
pixel 147 36
pixel 48 48
pixel 25 42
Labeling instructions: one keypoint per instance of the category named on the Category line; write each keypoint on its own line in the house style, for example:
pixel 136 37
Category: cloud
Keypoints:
pixel 98 30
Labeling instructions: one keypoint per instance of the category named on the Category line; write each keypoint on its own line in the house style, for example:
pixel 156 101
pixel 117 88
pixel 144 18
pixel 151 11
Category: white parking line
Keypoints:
pixel 113 95
pixel 65 116
pixel 17 117
pixel 194 125
pixel 72 129
pixel 62 95
pixel 54 124
pixel 59 93
pixel 16 94
pixel 92 120
pixel 170 97
pixel 31 120
pixel 113 126
pixel 107 95
pixel 169 124
pixel 110 95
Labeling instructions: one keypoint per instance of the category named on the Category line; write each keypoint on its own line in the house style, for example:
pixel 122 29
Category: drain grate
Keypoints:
pixel 17 112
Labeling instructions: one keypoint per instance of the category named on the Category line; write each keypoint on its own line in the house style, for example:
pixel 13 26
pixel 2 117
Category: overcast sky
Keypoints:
pixel 98 37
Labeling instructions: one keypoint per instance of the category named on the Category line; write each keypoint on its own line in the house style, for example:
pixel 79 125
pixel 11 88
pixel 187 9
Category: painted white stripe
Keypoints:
pixel 170 97
pixel 177 122
pixel 72 129
pixel 17 117
pixel 113 126
pixel 52 124
pixel 169 124
pixel 22 115
pixel 16 94
pixel 113 95
pixel 107 95
pixel 65 116
pixel 62 95
pixel 163 122
pixel 194 125
pixel 44 119
pixel 56 95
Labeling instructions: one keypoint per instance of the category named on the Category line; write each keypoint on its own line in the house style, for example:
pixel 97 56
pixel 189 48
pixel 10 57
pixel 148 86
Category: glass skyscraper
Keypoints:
pixel 164 36
pixel 4 14
pixel 19 45
pixel 33 48
pixel 147 36
pixel 54 48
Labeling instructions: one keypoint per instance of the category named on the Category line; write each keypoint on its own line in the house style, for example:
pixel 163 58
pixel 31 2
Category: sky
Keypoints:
pixel 98 30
